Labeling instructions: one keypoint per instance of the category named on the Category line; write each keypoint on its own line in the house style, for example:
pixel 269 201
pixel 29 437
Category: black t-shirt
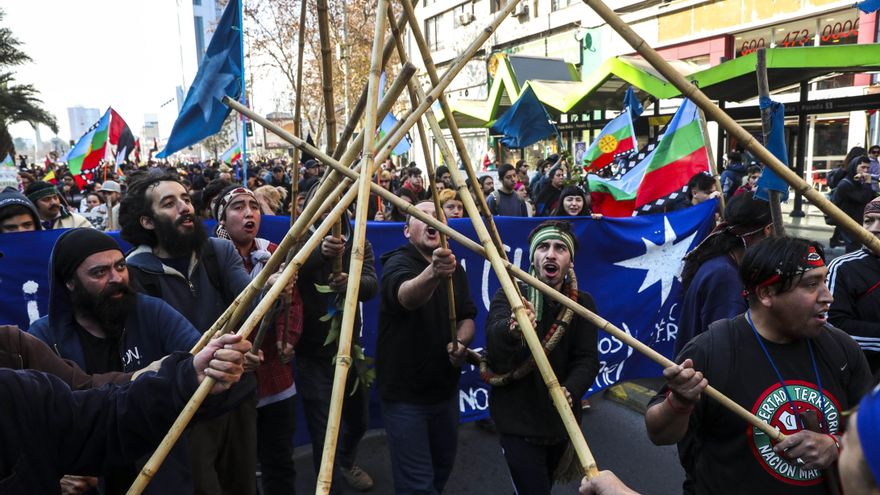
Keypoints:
pixel 100 355
pixel 411 360
pixel 730 456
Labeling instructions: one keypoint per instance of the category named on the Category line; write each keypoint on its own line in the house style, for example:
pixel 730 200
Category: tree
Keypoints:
pixel 18 102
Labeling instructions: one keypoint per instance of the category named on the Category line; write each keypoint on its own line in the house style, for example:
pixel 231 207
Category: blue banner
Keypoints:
pixel 631 266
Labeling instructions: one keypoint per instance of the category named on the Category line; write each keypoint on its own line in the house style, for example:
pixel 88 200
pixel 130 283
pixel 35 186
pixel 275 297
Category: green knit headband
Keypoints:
pixel 549 233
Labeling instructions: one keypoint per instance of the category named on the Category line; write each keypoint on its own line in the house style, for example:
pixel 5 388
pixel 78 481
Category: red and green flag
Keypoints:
pixel 678 155
pixel 87 153
pixel 231 155
pixel 616 139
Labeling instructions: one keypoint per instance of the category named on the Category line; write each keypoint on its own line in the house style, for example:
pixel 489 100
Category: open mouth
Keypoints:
pixel 551 269
pixel 821 317
pixel 250 226
pixel 431 231
pixel 186 220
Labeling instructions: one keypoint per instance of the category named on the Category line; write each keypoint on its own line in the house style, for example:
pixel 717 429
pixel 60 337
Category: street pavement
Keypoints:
pixel 615 432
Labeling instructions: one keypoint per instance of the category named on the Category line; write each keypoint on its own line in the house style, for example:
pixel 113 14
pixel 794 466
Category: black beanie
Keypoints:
pixel 39 190
pixel 74 246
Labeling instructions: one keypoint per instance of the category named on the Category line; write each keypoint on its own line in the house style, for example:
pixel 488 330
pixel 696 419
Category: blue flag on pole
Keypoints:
pixel 769 181
pixel 389 122
pixel 868 6
pixel 219 75
pixel 630 100
pixel 524 123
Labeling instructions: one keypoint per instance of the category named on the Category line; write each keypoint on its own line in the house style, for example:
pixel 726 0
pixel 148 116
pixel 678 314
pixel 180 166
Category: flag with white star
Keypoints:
pixel 219 75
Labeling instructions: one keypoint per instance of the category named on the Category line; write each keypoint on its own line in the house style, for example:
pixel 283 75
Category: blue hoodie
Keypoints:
pixel 153 329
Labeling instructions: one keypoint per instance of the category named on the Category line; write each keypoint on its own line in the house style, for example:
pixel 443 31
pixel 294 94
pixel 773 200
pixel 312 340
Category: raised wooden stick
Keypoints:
pixel 242 302
pixel 327 74
pixel 688 90
pixel 297 112
pixel 428 59
pixel 766 123
pixel 349 313
pixel 522 275
pixel 432 179
pixel 713 167
pixel 247 327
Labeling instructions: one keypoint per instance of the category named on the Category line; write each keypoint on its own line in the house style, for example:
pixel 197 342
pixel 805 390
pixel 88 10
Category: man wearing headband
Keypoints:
pixel 532 435
pixel 782 362
pixel 417 369
pixel 199 276
pixel 97 321
pixel 854 280
pixel 238 219
pixel 860 459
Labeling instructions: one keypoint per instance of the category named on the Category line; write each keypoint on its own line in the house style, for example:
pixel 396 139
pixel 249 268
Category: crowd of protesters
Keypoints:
pixel 753 306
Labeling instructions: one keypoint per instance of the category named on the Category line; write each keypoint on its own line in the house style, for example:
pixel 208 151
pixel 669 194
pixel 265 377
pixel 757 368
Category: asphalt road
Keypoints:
pixel 616 436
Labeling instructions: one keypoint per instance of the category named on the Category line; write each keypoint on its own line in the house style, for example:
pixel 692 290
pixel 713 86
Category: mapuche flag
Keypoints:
pixel 617 138
pixel 231 155
pixel 88 152
pixel 678 155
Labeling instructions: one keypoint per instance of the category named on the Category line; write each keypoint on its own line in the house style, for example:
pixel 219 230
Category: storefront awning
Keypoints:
pixel 733 80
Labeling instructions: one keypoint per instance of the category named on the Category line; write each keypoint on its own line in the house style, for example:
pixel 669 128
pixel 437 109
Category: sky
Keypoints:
pixel 99 53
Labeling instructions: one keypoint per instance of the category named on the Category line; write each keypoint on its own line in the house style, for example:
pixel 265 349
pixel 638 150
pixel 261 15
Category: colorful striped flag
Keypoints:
pixel 679 154
pixel 87 153
pixel 616 139
pixel 231 155
pixel 389 122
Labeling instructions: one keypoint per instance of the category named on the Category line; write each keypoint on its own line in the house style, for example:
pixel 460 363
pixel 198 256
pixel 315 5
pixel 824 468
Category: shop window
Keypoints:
pixel 830 143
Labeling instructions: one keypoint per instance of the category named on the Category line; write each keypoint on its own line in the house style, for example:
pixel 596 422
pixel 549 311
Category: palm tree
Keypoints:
pixel 18 102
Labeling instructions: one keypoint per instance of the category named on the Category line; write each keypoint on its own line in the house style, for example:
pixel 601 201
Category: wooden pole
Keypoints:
pixel 358 109
pixel 554 294
pixel 327 74
pixel 766 124
pixel 432 179
pixel 350 312
pixel 688 90
pixel 312 212
pixel 297 112
pixel 247 327
pixel 713 167
pixel 453 130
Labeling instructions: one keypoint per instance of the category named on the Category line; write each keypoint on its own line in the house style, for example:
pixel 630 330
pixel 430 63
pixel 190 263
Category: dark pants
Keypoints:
pixel 531 464
pixel 422 440
pixel 314 384
pixel 223 452
pixel 276 424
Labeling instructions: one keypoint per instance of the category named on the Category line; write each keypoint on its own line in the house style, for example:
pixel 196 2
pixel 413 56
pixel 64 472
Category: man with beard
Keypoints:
pixel 533 437
pixel 53 214
pixel 99 323
pixel 198 276
pixel 416 366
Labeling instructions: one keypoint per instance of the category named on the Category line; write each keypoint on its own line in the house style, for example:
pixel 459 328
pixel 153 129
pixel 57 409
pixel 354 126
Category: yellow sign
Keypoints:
pixel 607 144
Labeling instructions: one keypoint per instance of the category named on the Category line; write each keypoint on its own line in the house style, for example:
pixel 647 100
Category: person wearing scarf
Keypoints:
pixel 532 435
pixel 238 219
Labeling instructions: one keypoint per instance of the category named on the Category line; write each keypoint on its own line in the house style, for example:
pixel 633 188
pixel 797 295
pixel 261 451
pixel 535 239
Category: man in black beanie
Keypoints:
pixel 17 214
pixel 53 213
pixel 97 321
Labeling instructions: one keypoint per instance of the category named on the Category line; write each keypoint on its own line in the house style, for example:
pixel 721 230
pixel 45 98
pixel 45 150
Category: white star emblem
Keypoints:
pixel 213 85
pixel 663 262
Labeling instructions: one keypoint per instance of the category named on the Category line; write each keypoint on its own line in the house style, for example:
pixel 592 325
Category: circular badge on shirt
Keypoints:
pixel 774 408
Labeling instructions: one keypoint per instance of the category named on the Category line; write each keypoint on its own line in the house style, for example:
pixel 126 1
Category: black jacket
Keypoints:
pixel 523 407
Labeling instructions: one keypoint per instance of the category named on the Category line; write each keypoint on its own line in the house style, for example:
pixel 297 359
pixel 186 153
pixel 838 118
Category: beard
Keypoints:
pixel 108 311
pixel 179 244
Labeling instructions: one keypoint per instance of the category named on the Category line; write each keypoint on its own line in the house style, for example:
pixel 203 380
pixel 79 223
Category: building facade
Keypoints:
pixel 80 119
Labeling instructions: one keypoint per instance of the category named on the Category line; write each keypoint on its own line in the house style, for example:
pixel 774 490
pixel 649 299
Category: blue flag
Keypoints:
pixel 219 75
pixel 389 122
pixel 524 123
pixel 769 181
pixel 630 100
pixel 868 6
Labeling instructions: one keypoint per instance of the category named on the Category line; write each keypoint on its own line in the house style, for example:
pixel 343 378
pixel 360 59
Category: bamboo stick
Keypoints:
pixel 349 313
pixel 524 276
pixel 247 327
pixel 297 112
pixel 713 167
pixel 362 100
pixel 327 74
pixel 428 60
pixel 432 179
pixel 688 90
pixel 310 214
pixel 766 122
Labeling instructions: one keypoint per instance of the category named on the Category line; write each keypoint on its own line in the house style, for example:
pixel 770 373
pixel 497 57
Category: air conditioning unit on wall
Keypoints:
pixel 522 10
pixel 466 18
